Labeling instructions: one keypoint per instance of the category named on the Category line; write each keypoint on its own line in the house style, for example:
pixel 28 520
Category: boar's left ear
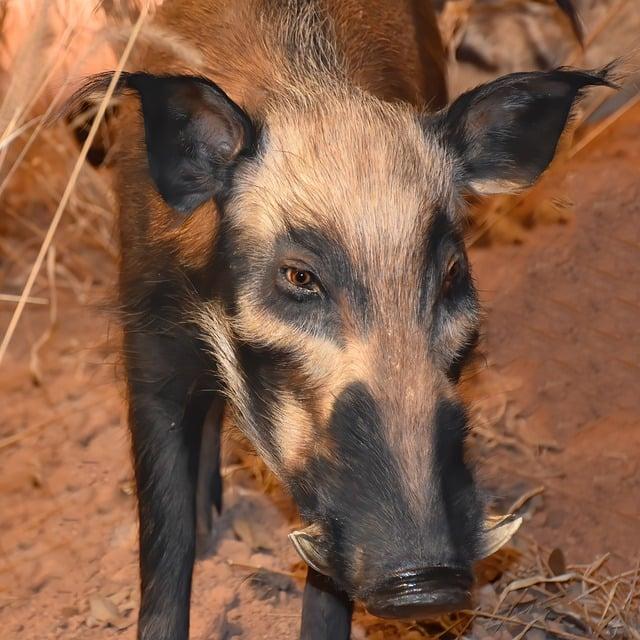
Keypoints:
pixel 504 134
pixel 194 133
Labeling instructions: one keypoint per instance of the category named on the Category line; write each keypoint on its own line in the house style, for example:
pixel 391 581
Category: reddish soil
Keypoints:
pixel 563 337
pixel 559 393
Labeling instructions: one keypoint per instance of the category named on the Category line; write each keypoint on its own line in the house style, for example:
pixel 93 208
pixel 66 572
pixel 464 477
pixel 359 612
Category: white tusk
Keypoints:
pixel 305 543
pixel 498 530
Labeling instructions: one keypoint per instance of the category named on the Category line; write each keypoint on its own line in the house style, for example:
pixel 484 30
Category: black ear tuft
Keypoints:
pixel 194 133
pixel 505 133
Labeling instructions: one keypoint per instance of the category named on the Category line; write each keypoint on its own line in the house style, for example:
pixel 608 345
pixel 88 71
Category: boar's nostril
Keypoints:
pixel 421 593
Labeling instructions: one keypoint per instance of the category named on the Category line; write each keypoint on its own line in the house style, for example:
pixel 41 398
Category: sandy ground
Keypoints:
pixel 557 398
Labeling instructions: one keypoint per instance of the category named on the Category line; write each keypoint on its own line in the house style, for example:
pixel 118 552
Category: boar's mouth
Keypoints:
pixel 312 547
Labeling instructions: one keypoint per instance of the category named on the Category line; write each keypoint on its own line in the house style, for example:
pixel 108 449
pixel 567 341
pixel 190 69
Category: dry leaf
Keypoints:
pixel 557 562
pixel 525 583
pixel 128 487
pixel 104 611
pixel 69 612
pixel 534 433
pixel 486 597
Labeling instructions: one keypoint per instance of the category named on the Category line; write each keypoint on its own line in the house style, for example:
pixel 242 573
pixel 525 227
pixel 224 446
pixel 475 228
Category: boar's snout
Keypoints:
pixel 421 593
pixel 409 593
pixel 396 518
pixel 425 592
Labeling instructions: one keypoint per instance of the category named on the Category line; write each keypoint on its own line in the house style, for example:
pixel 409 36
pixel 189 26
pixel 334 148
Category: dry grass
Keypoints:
pixel 56 234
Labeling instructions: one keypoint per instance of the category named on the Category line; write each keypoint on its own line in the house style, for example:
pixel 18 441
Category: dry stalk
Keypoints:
pixel 600 26
pixel 34 361
pixel 56 417
pixel 70 185
pixel 525 497
pixel 602 126
pixel 9 297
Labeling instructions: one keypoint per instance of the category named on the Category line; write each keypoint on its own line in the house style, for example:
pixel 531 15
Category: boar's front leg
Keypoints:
pixel 326 611
pixel 166 413
pixel 209 491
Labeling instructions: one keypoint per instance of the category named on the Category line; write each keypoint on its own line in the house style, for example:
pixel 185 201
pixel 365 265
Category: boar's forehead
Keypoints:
pixel 359 170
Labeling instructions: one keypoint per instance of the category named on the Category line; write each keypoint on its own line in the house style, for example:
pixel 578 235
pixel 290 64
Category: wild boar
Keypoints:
pixel 291 231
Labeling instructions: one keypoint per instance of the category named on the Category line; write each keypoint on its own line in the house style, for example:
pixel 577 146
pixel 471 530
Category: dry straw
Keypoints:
pixel 46 243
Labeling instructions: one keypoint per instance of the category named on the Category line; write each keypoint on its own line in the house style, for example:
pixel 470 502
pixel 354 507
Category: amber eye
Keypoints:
pixel 299 277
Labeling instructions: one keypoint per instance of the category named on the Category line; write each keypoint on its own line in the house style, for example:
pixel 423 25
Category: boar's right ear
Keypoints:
pixel 194 134
pixel 504 133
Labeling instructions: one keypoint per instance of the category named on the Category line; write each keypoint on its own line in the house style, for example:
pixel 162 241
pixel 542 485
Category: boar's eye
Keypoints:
pixel 300 283
pixel 452 275
pixel 299 277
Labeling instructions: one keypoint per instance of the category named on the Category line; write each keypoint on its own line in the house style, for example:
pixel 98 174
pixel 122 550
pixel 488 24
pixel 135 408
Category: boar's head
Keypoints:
pixel 342 305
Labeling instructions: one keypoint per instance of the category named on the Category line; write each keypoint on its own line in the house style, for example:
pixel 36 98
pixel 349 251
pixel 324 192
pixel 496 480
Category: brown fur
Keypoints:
pixel 243 48
pixel 239 45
